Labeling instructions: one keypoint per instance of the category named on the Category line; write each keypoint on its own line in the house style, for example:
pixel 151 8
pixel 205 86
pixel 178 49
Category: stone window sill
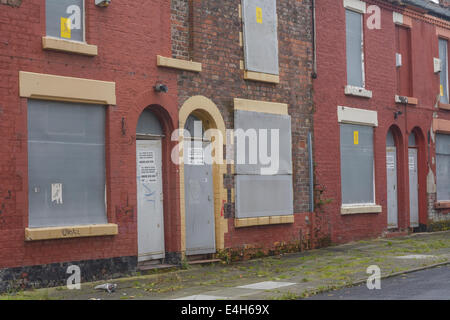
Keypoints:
pixel 262 221
pixel 444 106
pixel 178 64
pixel 406 100
pixel 442 205
pixel 49 43
pixel 69 232
pixel 349 210
pixel 358 92
pixel 261 77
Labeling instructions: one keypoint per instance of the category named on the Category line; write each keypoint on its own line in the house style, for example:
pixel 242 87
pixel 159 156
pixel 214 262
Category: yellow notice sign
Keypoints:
pixel 66 28
pixel 355 137
pixel 442 90
pixel 259 15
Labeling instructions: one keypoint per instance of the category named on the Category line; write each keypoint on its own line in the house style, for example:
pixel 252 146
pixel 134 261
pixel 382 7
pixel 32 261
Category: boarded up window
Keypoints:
pixel 404 69
pixel 354 35
pixel 260 36
pixel 443 55
pixel 66 164
pixel 263 141
pixel 357 164
pixel 64 19
pixel 443 167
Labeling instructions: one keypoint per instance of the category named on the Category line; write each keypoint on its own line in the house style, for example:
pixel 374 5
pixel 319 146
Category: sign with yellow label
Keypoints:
pixel 442 90
pixel 259 15
pixel 355 137
pixel 66 25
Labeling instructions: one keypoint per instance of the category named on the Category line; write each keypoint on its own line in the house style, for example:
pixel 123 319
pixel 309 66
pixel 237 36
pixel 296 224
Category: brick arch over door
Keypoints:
pixel 401 173
pixel 169 173
pixel 206 110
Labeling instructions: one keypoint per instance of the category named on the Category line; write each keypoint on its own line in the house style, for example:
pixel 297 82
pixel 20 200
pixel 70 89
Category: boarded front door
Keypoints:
pixel 199 201
pixel 391 168
pixel 413 188
pixel 149 198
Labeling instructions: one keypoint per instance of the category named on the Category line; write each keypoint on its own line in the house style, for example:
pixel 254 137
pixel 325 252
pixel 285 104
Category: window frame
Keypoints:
pixel 83 21
pixel 361 204
pixel 446 89
pixel 363 73
pixel 437 176
pixel 105 171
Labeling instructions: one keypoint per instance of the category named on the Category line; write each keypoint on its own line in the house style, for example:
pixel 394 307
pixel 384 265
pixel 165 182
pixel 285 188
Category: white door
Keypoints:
pixel 392 203
pixel 150 200
pixel 413 189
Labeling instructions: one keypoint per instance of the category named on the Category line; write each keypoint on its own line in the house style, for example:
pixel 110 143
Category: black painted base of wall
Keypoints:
pixel 173 258
pixel 55 274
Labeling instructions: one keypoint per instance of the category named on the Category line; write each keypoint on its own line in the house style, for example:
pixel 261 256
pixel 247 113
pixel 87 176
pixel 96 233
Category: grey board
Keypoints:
pixel 148 124
pixel 443 167
pixel 247 120
pixel 354 38
pixel 260 36
pixel 66 146
pixel 357 164
pixel 57 9
pixel 264 196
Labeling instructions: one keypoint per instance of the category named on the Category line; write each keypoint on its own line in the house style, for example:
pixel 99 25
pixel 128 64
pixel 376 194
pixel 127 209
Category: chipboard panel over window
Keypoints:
pixel 66 164
pixel 357 164
pixel 443 167
pixel 354 42
pixel 64 19
pixel 260 36
pixel 263 163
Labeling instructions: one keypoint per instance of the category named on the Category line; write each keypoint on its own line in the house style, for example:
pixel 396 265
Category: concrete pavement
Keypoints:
pixel 292 276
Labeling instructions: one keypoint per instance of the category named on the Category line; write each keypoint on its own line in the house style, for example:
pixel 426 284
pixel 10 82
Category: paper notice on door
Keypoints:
pixel 390 162
pixel 149 174
pixel 147 166
pixel 412 163
pixel 195 156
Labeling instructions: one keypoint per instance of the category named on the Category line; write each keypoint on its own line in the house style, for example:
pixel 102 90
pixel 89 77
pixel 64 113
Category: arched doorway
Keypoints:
pixel 392 180
pixel 413 181
pixel 149 178
pixel 198 186
pixel 202 192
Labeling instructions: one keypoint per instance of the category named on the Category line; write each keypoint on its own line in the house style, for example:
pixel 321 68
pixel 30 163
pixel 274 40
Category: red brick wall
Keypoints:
pixel 380 73
pixel 209 33
pixel 129 35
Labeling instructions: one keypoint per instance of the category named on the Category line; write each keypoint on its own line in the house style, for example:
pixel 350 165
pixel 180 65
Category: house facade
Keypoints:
pixel 381 116
pixel 94 171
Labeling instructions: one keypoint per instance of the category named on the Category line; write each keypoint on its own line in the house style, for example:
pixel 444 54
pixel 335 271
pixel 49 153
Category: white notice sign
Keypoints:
pixel 147 167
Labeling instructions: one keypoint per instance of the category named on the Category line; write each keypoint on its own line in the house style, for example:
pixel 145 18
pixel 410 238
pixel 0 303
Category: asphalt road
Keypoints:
pixel 430 284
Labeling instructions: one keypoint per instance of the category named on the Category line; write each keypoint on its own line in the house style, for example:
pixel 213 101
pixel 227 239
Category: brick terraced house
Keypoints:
pixel 91 97
pixel 382 121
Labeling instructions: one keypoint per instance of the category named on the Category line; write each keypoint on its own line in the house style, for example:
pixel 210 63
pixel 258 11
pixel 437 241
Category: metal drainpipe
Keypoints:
pixel 313 5
pixel 311 173
pixel 314 76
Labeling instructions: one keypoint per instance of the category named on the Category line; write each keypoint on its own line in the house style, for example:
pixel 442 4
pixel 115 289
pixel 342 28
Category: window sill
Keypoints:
pixel 442 205
pixel 261 77
pixel 178 64
pixel 69 232
pixel 358 92
pixel 49 43
pixel 349 210
pixel 406 100
pixel 444 106
pixel 262 221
